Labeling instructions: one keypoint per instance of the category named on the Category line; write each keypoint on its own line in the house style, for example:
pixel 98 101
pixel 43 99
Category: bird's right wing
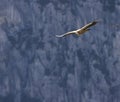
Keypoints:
pixel 89 25
pixel 63 35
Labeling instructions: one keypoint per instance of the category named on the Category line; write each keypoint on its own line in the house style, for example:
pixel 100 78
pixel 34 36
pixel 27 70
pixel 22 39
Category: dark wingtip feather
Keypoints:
pixel 96 21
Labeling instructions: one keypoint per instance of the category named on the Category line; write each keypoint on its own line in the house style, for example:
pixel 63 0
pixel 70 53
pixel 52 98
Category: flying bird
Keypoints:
pixel 79 31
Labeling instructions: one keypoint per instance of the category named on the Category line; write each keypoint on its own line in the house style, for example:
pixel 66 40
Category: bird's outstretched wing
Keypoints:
pixel 89 24
pixel 63 35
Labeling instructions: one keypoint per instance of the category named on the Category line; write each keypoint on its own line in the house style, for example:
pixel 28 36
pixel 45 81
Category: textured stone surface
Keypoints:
pixel 35 66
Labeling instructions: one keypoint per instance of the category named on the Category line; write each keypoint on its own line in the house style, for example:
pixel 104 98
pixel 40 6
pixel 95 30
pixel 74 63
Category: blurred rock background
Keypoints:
pixel 35 66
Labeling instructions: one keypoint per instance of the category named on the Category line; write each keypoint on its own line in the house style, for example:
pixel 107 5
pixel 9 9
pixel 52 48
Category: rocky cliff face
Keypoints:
pixel 35 66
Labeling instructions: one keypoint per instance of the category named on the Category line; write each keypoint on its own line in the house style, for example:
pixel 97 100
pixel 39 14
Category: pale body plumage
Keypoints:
pixel 79 31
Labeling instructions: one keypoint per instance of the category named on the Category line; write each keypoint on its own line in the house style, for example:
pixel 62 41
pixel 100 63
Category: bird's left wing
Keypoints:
pixel 63 35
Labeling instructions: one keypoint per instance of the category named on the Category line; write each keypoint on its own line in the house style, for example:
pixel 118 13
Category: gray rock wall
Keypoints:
pixel 35 66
